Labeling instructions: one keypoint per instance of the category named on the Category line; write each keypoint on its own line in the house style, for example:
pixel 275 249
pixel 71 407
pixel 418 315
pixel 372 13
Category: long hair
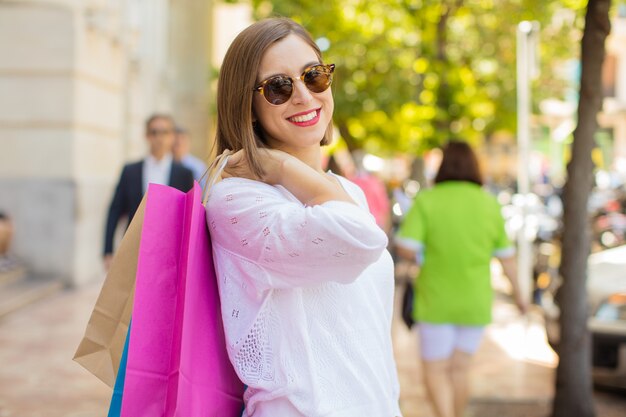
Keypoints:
pixel 235 129
pixel 459 163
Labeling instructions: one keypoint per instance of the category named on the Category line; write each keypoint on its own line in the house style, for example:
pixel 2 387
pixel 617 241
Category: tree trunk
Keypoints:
pixel 444 97
pixel 347 137
pixel 574 390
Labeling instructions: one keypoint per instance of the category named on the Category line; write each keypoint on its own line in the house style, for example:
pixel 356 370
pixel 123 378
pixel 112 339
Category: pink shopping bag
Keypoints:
pixel 177 360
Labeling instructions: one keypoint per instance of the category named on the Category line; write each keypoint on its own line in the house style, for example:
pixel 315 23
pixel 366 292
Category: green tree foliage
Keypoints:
pixel 413 73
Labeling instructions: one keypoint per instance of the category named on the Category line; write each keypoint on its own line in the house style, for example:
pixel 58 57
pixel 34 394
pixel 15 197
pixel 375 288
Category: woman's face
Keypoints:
pixel 302 121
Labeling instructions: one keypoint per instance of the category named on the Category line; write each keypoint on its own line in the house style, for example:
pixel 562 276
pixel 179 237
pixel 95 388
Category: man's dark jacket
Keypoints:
pixel 129 193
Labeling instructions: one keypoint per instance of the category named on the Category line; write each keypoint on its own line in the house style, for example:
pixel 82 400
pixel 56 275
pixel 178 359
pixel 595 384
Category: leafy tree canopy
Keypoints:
pixel 413 73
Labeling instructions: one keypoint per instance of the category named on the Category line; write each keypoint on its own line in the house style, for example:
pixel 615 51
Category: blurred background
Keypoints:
pixel 79 78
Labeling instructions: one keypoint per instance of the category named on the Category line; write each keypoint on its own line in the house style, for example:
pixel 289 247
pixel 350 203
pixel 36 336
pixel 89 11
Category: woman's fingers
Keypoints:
pixel 235 158
pixel 237 166
pixel 270 159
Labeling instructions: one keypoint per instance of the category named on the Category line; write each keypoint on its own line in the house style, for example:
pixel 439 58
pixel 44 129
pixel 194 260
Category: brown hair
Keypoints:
pixel 157 116
pixel 235 128
pixel 459 163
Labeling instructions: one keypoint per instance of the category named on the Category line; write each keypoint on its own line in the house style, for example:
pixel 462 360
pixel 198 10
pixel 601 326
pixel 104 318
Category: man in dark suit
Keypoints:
pixel 158 167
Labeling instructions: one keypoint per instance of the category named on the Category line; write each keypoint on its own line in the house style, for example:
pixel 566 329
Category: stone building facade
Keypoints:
pixel 77 80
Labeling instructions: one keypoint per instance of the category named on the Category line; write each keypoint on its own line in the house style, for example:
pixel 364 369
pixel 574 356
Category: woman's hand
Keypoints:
pixel 522 305
pixel 271 160
pixel 509 267
pixel 305 183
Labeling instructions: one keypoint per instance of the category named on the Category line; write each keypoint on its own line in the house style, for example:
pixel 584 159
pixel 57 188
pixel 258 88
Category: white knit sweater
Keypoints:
pixel 307 295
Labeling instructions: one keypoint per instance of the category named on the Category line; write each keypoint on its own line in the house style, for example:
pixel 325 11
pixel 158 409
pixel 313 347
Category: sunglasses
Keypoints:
pixel 160 132
pixel 278 89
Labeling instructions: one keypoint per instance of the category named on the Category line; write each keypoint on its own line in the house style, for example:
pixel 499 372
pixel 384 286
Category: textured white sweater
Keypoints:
pixel 307 296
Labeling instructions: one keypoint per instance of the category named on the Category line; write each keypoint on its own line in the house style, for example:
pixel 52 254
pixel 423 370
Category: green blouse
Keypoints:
pixel 456 227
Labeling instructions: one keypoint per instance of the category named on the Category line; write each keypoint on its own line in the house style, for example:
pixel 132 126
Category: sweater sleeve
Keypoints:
pixel 297 245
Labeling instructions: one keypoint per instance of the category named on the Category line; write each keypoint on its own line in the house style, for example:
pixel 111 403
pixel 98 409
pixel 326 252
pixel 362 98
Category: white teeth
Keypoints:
pixel 304 117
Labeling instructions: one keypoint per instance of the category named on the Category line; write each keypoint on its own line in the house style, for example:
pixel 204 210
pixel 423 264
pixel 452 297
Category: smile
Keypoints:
pixel 306 119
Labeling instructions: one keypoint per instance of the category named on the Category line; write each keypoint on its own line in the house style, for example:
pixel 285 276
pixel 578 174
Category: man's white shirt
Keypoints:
pixel 157 172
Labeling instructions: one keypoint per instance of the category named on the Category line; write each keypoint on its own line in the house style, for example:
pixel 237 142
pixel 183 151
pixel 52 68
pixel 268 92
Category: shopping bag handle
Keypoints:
pixel 214 171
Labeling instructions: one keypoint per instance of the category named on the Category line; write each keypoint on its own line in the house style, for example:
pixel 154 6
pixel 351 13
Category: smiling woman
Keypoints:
pixel 305 280
pixel 298 123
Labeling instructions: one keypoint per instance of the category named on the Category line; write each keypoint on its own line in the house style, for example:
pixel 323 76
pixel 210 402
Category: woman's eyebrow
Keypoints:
pixel 305 66
pixel 310 64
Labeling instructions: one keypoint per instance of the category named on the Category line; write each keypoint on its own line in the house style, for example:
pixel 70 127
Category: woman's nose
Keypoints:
pixel 301 94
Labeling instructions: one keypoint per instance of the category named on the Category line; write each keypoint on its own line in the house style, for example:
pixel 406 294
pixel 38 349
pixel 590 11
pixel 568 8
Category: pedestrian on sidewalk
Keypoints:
pixel 182 154
pixel 305 281
pixel 374 189
pixel 157 167
pixel 453 230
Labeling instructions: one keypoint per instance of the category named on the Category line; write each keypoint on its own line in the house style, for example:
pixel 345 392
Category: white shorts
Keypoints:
pixel 439 341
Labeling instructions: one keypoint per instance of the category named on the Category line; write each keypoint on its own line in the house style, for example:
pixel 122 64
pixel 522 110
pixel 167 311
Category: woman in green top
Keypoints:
pixel 453 230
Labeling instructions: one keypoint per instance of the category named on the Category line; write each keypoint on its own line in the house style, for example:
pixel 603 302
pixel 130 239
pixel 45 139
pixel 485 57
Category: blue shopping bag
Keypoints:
pixel 115 408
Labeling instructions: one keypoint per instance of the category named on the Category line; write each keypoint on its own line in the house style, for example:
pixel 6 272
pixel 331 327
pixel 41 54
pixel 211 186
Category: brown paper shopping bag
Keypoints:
pixel 101 348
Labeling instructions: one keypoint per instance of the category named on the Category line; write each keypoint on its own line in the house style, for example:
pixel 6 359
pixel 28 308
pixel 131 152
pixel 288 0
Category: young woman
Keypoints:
pixel 454 230
pixel 306 283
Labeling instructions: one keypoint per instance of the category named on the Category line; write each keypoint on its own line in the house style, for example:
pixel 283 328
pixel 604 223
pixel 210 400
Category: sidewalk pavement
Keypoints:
pixel 512 376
